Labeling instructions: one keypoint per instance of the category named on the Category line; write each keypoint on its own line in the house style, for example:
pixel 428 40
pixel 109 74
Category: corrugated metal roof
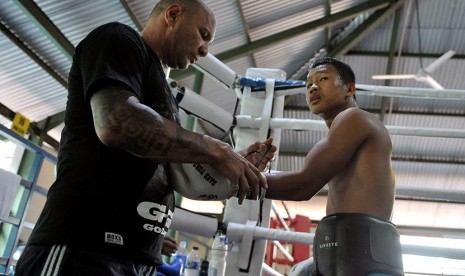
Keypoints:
pixel 279 16
pixel 230 31
pixel 291 54
pixel 76 19
pixel 26 87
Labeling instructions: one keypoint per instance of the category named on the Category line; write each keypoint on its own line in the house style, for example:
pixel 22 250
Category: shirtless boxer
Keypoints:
pixel 354 159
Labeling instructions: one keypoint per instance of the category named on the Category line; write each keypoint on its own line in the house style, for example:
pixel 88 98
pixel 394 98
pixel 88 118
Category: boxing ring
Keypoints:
pixel 260 117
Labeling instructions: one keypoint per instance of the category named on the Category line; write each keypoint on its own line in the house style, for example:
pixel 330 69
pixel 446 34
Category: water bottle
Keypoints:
pixel 204 268
pixel 180 256
pixel 192 263
pixel 217 265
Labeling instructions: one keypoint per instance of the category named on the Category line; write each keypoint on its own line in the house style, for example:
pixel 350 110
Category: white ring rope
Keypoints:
pixel 235 232
pixel 392 91
pixel 318 125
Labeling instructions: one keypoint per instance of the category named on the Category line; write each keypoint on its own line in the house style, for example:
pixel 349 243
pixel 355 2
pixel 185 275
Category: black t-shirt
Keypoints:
pixel 104 198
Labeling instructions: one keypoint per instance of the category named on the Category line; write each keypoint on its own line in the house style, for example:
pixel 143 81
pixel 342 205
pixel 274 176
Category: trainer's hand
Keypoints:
pixel 241 173
pixel 170 246
pixel 260 153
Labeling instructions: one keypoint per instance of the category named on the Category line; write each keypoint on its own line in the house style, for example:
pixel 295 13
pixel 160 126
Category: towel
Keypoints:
pixel 9 185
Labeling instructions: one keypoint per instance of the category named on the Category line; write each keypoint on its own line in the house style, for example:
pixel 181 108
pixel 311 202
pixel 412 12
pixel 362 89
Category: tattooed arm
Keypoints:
pixel 121 121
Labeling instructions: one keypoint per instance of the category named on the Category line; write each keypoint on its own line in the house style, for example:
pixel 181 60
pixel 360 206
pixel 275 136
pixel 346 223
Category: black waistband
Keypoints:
pixel 354 217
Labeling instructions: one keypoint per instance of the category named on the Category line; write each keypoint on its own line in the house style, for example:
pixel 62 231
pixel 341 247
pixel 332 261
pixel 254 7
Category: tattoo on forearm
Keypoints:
pixel 187 139
pixel 181 138
pixel 144 136
pixel 143 132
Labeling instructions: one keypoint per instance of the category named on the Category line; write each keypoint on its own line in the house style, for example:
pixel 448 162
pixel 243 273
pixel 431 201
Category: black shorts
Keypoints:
pixel 62 260
pixel 357 244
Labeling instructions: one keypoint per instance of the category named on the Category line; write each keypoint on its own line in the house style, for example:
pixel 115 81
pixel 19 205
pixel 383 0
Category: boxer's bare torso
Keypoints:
pixel 354 158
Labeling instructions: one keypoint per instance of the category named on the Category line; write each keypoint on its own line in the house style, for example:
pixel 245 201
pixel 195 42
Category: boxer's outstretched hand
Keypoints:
pixel 260 153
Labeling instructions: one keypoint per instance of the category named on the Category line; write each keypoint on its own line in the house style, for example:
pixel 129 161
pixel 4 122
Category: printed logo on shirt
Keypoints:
pixel 113 238
pixel 158 213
